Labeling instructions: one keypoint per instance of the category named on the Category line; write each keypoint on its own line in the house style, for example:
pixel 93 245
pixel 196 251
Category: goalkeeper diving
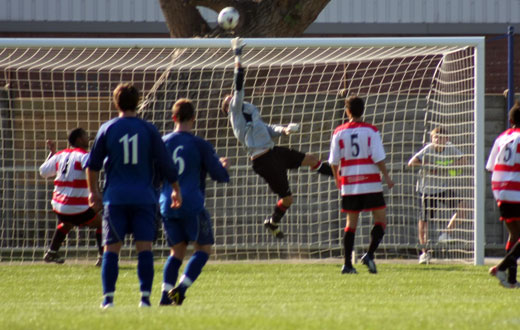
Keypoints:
pixel 269 161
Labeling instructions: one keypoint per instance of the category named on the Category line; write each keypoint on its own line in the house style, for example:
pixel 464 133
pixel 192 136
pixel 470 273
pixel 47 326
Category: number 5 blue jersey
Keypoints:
pixel 194 158
pixel 131 150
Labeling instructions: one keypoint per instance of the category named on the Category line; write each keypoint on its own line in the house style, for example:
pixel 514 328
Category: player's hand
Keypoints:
pixel 389 182
pixel 292 128
pixel 176 197
pixel 237 44
pixel 51 145
pixel 224 161
pixel 95 200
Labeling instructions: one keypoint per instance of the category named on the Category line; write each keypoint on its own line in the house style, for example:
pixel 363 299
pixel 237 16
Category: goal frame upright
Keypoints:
pixel 479 82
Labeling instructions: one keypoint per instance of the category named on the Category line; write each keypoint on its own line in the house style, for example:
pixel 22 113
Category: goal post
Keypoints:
pixel 410 85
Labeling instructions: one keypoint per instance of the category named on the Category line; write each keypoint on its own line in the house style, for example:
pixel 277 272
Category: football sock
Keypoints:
pixel 171 271
pixel 108 298
pixel 98 241
pixel 109 271
pixel 193 270
pixel 323 168
pixel 512 270
pixel 376 236
pixel 348 244
pixel 145 271
pixel 510 258
pixel 59 236
pixel 279 211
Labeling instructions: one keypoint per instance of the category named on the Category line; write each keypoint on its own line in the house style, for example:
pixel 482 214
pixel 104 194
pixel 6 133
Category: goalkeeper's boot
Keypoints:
pixel 348 269
pixel 501 276
pixel 52 256
pixel 274 228
pixel 176 296
pixel 369 262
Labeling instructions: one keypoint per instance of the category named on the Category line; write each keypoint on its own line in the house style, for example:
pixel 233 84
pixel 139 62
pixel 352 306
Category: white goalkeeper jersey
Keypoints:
pixel 70 194
pixel 248 127
pixel 504 162
pixel 357 147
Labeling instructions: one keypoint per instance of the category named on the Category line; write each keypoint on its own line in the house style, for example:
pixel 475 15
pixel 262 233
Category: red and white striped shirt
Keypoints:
pixel 357 147
pixel 504 162
pixel 70 185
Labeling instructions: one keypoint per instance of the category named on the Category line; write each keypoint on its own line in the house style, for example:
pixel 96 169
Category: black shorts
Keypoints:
pixel 363 202
pixel 509 212
pixel 78 219
pixel 431 203
pixel 273 166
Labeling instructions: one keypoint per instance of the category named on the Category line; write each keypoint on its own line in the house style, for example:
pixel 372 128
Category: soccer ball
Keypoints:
pixel 228 18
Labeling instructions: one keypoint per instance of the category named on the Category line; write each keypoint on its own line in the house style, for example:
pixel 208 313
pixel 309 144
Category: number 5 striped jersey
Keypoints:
pixel 357 147
pixel 70 194
pixel 504 162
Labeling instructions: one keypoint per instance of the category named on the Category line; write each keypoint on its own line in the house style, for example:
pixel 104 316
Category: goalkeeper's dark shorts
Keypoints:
pixel 80 219
pixel 433 203
pixel 273 166
pixel 363 202
pixel 509 212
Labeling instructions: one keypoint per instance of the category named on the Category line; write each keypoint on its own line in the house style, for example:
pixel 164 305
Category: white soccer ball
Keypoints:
pixel 228 18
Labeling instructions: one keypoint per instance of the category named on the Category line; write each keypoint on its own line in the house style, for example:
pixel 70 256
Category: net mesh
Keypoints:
pixel 408 91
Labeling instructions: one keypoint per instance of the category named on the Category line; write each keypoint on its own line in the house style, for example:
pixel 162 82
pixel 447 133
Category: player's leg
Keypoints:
pixel 513 227
pixel 173 263
pixel 272 168
pixel 376 236
pixel 348 241
pixel 51 255
pixel 96 223
pixel 499 271
pixel 144 230
pixel 423 239
pixel 203 241
pixel 317 165
pixel 114 229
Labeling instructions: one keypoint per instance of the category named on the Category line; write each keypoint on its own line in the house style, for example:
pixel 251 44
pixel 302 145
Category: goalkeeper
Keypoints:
pixel 269 161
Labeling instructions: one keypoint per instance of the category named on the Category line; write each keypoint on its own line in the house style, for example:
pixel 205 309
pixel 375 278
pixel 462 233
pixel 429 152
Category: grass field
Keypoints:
pixel 263 296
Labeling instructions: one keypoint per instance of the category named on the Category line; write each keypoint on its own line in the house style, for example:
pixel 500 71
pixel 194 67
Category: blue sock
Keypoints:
pixel 171 270
pixel 170 274
pixel 193 270
pixel 109 271
pixel 145 271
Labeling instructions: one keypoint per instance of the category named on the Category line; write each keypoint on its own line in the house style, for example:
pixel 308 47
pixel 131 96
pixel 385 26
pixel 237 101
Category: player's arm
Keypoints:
pixel 382 167
pixel 166 166
pixel 95 160
pixel 378 155
pixel 334 159
pixel 237 44
pixel 490 164
pixel 216 167
pixel 48 168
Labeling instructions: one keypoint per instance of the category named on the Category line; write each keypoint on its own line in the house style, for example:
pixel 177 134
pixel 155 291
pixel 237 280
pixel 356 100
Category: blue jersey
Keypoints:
pixel 194 158
pixel 131 151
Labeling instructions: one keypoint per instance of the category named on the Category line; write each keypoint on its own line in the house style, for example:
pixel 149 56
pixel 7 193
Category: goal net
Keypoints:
pixel 410 85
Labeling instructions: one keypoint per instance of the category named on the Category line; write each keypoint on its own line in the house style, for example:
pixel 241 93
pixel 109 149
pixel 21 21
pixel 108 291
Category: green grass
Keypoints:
pixel 263 296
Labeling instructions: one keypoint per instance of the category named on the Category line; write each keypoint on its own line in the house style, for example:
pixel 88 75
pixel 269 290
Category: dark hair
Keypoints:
pixel 355 105
pixel 75 134
pixel 126 97
pixel 514 114
pixel 183 110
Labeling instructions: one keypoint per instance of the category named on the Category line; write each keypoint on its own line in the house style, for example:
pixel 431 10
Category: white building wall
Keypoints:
pixel 338 11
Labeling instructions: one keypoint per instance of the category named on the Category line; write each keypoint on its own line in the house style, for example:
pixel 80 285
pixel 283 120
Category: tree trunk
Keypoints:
pixel 258 18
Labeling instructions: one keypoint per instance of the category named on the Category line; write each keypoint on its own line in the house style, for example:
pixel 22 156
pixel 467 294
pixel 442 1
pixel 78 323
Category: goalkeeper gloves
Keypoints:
pixel 237 44
pixel 292 128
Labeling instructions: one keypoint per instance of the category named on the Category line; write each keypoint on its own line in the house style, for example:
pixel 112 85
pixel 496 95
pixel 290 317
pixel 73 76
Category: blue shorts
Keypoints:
pixel 189 229
pixel 119 220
